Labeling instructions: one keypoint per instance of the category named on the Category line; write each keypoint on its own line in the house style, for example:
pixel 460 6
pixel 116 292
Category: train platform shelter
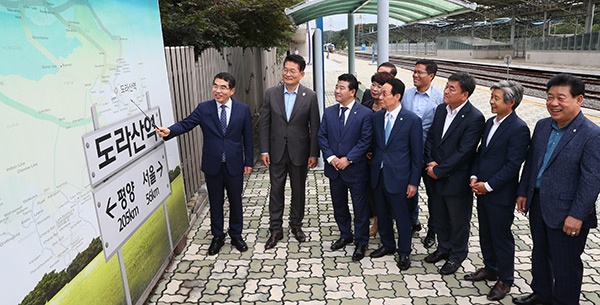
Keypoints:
pixel 310 273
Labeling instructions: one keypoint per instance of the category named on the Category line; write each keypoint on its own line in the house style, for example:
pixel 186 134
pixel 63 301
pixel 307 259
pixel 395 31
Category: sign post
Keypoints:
pixel 507 60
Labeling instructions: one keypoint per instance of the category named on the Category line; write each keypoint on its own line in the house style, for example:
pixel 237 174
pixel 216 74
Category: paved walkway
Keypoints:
pixel 310 273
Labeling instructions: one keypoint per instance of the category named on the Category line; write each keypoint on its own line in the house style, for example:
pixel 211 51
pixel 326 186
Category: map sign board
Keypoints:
pixel 59 59
pixel 113 147
pixel 125 200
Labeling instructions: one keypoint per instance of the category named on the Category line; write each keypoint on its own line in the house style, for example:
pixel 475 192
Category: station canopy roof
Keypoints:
pixel 407 11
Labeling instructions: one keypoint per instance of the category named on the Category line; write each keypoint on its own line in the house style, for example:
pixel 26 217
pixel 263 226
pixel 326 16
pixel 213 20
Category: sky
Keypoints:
pixel 340 22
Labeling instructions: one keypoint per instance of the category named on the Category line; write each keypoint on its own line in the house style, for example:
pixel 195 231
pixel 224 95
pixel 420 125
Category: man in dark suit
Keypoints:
pixel 289 123
pixel 395 171
pixel 449 149
pixel 227 155
pixel 344 138
pixel 494 180
pixel 559 187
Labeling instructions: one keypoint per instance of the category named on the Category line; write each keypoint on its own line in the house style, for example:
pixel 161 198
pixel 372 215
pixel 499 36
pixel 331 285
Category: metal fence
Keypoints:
pixel 409 48
pixel 191 80
pixel 581 42
pixel 416 48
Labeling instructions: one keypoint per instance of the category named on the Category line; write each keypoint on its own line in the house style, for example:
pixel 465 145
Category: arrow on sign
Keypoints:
pixel 109 208
pixel 160 169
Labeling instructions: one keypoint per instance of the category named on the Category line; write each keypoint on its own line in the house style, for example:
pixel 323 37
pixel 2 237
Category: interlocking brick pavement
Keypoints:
pixel 310 273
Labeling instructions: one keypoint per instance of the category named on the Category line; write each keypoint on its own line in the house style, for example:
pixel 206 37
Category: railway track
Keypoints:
pixel 534 81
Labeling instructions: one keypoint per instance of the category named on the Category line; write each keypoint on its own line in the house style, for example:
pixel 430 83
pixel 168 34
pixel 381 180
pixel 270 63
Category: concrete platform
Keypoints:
pixel 310 273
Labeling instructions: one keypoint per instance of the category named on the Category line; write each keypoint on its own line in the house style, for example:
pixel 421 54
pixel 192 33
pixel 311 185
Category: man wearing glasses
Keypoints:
pixel 227 130
pixel 422 99
pixel 289 124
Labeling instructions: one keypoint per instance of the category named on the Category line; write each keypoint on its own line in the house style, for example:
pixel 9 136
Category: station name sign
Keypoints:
pixel 113 147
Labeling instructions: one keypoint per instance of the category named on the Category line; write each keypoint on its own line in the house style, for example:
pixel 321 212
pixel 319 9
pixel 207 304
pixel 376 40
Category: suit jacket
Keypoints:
pixel 402 156
pixel 299 134
pixel 454 152
pixel 499 163
pixel 352 143
pixel 236 142
pixel 571 182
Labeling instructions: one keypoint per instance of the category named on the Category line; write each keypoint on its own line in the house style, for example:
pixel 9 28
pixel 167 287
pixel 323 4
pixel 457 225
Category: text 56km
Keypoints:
pixel 152 194
pixel 127 218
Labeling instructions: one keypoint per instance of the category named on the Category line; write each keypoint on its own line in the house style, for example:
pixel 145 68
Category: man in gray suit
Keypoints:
pixel 289 125
pixel 559 187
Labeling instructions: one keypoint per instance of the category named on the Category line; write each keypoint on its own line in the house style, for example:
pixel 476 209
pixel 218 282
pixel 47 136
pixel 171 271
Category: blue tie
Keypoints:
pixel 342 117
pixel 223 120
pixel 388 127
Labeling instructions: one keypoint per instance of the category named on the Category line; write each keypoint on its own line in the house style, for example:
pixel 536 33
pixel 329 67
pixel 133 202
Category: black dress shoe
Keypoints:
pixel 429 240
pixel 498 292
pixel 239 244
pixel 449 267
pixel 340 243
pixel 531 299
pixel 273 239
pixel 359 253
pixel 299 234
pixel 404 263
pixel 435 257
pixel 215 245
pixel 416 228
pixel 381 252
pixel 480 275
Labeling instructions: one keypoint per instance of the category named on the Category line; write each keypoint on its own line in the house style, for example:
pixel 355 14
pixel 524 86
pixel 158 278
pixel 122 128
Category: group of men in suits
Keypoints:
pixel 559 183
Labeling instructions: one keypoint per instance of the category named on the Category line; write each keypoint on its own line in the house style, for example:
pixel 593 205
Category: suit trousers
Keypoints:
pixel 341 211
pixel 278 173
pixel 216 184
pixel 452 220
pixel 496 239
pixel 393 207
pixel 556 266
pixel 414 217
pixel 428 190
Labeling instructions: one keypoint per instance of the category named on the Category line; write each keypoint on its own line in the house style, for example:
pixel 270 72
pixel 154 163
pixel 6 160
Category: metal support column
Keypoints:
pixel 589 17
pixel 319 74
pixel 351 45
pixel 383 31
pixel 512 29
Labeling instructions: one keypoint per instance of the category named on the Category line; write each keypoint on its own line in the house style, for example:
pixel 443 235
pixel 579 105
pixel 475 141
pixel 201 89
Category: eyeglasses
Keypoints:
pixel 386 93
pixel 291 72
pixel 420 72
pixel 221 88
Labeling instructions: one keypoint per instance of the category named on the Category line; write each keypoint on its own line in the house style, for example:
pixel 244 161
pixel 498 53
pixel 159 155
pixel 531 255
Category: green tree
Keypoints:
pixel 340 39
pixel 226 23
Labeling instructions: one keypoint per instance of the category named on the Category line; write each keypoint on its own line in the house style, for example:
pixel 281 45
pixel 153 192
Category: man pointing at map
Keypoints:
pixel 224 122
